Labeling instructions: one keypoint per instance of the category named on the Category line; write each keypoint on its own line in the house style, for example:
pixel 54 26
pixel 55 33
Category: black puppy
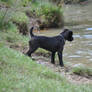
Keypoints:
pixel 53 44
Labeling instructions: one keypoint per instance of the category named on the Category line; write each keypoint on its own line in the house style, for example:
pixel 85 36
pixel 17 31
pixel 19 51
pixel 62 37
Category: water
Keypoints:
pixel 78 13
pixel 88 28
pixel 80 50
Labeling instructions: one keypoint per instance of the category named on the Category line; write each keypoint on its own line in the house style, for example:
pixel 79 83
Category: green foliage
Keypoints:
pixel 19 17
pixel 82 70
pixel 8 16
pixel 26 72
pixel 11 37
pixel 18 2
pixel 2 16
pixel 49 14
pixel 5 18
pixel 12 12
pixel 25 2
pixel 9 2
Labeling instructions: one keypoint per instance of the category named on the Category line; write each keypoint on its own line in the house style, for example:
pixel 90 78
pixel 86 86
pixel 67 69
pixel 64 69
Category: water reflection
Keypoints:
pixel 87 36
pixel 89 29
pixel 77 36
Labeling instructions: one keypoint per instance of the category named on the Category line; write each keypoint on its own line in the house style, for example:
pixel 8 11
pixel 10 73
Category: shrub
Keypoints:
pixel 16 2
pixel 3 20
pixel 49 15
pixel 19 17
pixel 9 2
pixel 7 15
pixel 21 20
pixel 14 13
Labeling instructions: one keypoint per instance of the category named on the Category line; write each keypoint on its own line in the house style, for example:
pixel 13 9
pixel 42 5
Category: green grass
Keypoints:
pixel 19 73
pixel 10 15
pixel 82 70
pixel 11 36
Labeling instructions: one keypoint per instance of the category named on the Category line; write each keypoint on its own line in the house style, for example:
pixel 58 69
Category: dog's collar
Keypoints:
pixel 63 37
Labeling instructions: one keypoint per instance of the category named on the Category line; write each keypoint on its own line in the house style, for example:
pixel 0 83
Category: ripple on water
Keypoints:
pixel 88 28
pixel 77 36
pixel 90 44
pixel 75 56
pixel 79 52
pixel 88 36
pixel 90 60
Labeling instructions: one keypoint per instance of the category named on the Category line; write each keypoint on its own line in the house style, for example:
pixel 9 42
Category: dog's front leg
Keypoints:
pixel 53 58
pixel 60 59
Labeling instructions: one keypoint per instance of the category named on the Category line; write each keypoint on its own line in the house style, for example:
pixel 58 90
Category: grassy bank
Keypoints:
pixel 20 73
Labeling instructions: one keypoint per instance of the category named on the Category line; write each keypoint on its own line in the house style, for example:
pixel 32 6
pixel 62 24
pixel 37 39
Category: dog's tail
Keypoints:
pixel 31 32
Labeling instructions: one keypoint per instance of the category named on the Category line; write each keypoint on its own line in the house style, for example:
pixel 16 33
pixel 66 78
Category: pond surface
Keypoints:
pixel 80 50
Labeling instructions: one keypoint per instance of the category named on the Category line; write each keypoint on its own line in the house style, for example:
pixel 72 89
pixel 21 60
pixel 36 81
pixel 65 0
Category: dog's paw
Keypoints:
pixel 62 65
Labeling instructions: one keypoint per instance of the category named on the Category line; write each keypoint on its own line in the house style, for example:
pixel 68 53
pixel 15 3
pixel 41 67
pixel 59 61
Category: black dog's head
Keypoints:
pixel 67 34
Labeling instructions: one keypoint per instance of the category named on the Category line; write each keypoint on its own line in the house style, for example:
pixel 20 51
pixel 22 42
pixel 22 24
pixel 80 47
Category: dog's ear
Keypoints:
pixel 65 30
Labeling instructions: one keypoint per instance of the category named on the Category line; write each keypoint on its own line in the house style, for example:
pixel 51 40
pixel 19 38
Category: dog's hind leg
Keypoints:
pixel 32 48
pixel 60 59
pixel 30 51
pixel 53 58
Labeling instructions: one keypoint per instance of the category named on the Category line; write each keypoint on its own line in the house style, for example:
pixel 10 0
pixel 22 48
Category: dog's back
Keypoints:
pixel 48 43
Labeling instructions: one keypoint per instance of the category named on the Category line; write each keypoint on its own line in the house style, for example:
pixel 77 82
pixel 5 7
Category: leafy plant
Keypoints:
pixel 19 17
pixel 49 14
